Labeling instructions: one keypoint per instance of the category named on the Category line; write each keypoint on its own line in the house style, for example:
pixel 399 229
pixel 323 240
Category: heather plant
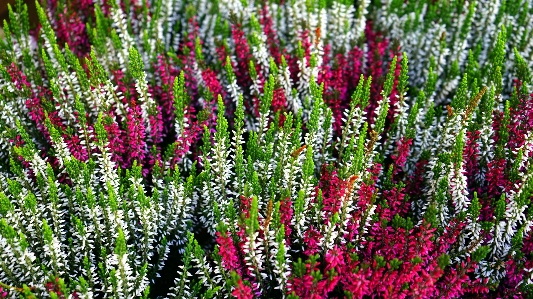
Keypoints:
pixel 267 149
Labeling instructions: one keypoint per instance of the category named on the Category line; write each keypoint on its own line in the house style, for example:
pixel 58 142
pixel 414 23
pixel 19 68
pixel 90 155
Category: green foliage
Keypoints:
pixel 136 64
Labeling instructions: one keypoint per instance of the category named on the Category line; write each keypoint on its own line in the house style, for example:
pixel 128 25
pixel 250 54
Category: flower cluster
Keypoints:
pixel 267 149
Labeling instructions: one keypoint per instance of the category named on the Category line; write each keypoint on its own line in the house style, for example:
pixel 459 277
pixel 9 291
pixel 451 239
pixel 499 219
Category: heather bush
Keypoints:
pixel 267 149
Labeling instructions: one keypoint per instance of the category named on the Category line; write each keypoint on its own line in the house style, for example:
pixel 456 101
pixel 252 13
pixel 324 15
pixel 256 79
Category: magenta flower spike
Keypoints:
pixel 266 149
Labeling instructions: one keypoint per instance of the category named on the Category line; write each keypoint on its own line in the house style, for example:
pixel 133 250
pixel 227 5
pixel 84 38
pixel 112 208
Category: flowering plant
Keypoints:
pixel 267 149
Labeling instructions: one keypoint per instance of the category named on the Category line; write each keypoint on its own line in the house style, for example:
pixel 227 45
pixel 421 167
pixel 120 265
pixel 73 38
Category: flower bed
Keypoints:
pixel 267 149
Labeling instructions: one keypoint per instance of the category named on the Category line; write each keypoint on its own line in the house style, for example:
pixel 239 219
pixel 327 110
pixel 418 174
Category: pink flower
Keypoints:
pixel 279 103
pixel 156 125
pixel 242 291
pixel 400 158
pixel 334 258
pixel 244 55
pixel 286 212
pixel 18 78
pixel 333 189
pixel 377 46
pixel 471 157
pixel 211 81
pixel 115 136
pixel 495 177
pixel 76 148
pixel 311 239
pixel 228 252
pixel 70 29
pixel 271 34
pixel 135 146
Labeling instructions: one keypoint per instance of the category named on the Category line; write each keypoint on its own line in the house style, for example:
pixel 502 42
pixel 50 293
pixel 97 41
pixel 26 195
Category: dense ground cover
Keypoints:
pixel 267 149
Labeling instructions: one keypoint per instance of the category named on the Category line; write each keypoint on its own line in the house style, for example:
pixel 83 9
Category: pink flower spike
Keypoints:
pixel 242 291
